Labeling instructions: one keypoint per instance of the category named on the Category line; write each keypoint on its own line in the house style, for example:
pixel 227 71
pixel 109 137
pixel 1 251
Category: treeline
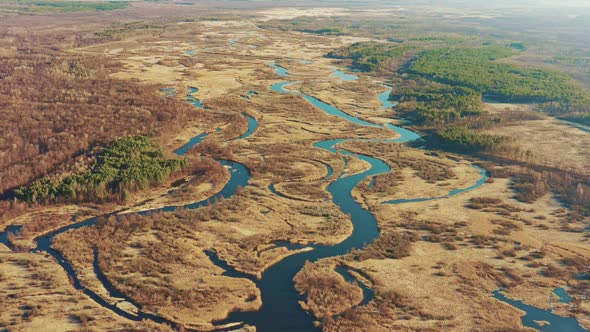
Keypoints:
pixel 370 56
pixel 579 113
pixel 67 6
pixel 55 107
pixel 475 68
pixel 531 182
pixel 583 118
pixel 332 27
pixel 131 163
pixel 463 139
pixel 325 31
pixel 428 103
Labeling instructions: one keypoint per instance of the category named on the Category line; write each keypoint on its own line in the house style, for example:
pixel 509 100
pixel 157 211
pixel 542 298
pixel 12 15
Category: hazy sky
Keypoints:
pixel 499 3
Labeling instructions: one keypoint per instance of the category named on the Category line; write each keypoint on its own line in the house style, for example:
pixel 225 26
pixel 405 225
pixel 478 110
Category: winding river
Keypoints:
pixel 280 310
pixel 239 176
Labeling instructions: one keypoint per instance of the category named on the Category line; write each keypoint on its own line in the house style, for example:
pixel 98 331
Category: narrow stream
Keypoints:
pixel 368 293
pixel 384 98
pixel 541 319
pixel 344 76
pixel 454 192
pixel 239 178
pixel 252 126
pixel 192 99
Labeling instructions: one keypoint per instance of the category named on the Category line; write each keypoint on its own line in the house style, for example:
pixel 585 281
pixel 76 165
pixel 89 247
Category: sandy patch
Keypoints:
pixel 290 13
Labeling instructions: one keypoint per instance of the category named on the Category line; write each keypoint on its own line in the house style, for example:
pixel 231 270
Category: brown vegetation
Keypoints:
pixel 387 245
pixel 55 107
pixel 37 296
pixel 326 291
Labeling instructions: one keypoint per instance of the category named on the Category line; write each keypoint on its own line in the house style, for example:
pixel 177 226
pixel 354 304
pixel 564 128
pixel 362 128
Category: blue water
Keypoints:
pixel 580 126
pixel 405 134
pixel 329 173
pixel 362 218
pixel 195 102
pixel 344 76
pixel 454 192
pixel 252 126
pixel 274 191
pixel 368 293
pixel 191 99
pixel 562 295
pixel 191 52
pixel 232 41
pixel 280 87
pixel 371 184
pixel 190 144
pixel 281 71
pixel 557 323
pixel 249 94
pixel 384 98
pixel 14 229
pixel 280 310
pixel 336 112
pixel 169 92
pixel 239 178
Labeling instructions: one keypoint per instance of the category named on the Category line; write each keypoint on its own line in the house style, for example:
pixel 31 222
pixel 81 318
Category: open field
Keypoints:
pixel 556 142
pixel 37 295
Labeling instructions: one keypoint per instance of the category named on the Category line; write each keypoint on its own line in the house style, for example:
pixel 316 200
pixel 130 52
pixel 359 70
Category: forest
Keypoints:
pixel 429 103
pixel 129 164
pixel 477 69
pixel 464 139
pixel 55 107
pixel 370 56
pixel 62 6
pixel 468 72
pixel 583 118
pixel 579 113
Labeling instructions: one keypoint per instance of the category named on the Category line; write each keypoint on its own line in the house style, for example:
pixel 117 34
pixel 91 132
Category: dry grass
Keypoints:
pixel 326 291
pixel 36 295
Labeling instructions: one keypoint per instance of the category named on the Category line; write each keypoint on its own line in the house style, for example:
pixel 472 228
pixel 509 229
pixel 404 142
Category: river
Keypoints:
pixel 280 310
